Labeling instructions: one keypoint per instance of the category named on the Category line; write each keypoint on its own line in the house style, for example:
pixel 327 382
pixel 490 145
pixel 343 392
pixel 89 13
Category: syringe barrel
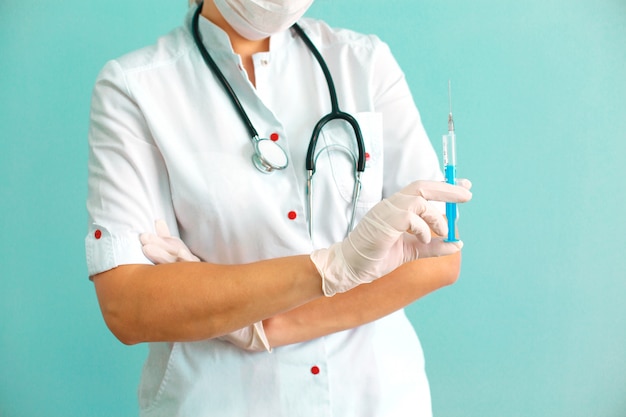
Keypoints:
pixel 449 149
pixel 449 167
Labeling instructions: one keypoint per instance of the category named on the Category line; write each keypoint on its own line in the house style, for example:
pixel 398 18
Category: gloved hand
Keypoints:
pixel 164 248
pixel 437 245
pixel 377 244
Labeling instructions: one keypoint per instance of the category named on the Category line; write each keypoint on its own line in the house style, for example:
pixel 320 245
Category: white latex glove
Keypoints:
pixel 163 248
pixel 437 245
pixel 377 244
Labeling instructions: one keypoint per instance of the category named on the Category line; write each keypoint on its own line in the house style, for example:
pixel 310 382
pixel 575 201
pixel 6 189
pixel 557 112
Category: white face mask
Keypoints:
pixel 258 19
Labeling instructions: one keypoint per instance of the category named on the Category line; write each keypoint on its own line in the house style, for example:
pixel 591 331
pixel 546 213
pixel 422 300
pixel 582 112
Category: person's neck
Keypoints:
pixel 242 46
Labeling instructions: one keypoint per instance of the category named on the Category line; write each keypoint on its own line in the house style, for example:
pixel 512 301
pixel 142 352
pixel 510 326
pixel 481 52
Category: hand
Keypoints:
pixel 377 245
pixel 437 245
pixel 163 248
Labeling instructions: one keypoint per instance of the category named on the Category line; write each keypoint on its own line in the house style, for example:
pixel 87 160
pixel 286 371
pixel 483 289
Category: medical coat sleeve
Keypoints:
pixel 408 152
pixel 128 186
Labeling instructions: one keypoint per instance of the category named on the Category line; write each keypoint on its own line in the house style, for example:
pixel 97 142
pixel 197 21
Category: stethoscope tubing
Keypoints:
pixel 260 161
pixel 335 112
pixel 195 30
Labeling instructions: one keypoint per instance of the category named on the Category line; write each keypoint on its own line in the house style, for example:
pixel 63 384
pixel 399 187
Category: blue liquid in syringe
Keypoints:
pixel 451 208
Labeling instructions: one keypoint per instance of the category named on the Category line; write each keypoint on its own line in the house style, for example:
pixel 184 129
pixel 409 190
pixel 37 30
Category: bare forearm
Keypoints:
pixel 193 301
pixel 365 303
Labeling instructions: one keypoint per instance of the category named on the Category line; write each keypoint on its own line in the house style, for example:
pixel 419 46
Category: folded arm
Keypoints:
pixel 189 301
pixel 363 304
pixel 185 301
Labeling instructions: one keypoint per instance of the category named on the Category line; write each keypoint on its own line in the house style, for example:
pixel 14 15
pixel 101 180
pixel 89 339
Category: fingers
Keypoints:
pixel 464 182
pixel 168 244
pixel 431 219
pixel 161 228
pixel 439 247
pixel 185 255
pixel 417 216
pixel 439 191
pixel 423 216
pixel 436 247
pixel 148 238
pixel 419 228
pixel 157 254
pixel 156 249
pixel 165 249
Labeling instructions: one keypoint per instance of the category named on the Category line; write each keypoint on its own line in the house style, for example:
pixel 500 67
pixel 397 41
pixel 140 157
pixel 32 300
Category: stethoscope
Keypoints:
pixel 268 155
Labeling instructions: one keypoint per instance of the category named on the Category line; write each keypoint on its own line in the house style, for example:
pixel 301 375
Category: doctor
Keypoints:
pixel 274 321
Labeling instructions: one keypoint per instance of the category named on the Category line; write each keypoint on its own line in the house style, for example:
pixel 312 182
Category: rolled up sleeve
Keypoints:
pixel 128 186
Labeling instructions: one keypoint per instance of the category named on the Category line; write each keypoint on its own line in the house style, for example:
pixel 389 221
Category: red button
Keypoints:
pixel 367 155
pixel 292 215
pixel 274 137
pixel 97 234
pixel 315 370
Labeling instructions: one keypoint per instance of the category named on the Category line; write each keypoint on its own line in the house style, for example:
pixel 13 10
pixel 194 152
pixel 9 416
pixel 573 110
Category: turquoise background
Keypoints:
pixel 536 326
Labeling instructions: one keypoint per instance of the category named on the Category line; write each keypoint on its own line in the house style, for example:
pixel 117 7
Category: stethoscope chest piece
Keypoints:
pixel 268 155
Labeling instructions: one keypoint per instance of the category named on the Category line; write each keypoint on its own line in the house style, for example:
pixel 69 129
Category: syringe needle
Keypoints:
pixel 450 95
pixel 450 118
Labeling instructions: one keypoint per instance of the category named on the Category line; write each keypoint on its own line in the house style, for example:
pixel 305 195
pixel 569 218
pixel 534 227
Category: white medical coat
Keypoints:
pixel 166 142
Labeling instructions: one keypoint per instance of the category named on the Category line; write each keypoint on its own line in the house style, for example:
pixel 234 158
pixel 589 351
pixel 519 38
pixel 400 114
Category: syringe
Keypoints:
pixel 449 166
